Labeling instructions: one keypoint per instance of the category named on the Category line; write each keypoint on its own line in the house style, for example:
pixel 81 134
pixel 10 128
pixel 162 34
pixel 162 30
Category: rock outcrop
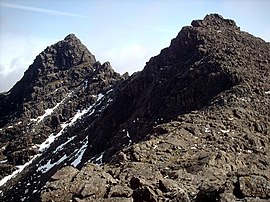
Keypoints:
pixel 192 126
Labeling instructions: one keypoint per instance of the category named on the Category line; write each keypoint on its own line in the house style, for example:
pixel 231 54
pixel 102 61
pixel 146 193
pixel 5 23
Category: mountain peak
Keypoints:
pixel 198 112
pixel 71 36
pixel 72 50
pixel 64 64
pixel 213 20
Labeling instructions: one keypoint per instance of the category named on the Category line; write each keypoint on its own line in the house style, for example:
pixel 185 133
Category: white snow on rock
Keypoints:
pixel 52 137
pixel 46 144
pixel 3 161
pixel 50 110
pixel 97 159
pixel 80 153
pixel 267 92
pixel 99 96
pixel 224 131
pixel 45 168
pixel 109 91
pixel 128 135
pixel 60 147
pixel 85 84
pixel 207 130
pixel 129 141
pixel 16 172
pixel 249 151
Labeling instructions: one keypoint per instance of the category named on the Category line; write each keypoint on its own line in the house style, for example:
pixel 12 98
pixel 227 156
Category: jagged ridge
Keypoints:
pixel 192 126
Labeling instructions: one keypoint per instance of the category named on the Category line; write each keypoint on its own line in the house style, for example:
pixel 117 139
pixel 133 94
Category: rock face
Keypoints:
pixel 192 126
pixel 63 80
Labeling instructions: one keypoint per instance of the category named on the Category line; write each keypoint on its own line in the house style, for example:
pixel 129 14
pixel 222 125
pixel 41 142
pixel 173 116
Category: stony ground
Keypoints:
pixel 207 155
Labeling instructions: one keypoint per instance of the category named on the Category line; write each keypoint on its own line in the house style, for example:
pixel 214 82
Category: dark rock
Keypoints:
pixel 66 174
pixel 192 126
pixel 168 185
pixel 255 186
pixel 59 84
pixel 120 191
pixel 6 168
pixel 55 122
pixel 135 183
pixel 144 194
pixel 90 183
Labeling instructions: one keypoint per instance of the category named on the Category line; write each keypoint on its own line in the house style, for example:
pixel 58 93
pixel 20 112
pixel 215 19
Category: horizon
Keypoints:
pixel 125 33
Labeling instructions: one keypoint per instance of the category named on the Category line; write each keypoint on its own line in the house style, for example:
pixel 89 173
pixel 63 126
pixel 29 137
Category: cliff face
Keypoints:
pixel 192 126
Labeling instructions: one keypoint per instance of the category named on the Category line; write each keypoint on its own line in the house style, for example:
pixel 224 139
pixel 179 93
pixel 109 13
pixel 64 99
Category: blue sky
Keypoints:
pixel 124 32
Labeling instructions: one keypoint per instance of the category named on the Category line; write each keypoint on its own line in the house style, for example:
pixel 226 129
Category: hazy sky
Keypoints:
pixel 124 32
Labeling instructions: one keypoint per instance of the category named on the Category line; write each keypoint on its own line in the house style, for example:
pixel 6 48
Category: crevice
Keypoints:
pixel 237 190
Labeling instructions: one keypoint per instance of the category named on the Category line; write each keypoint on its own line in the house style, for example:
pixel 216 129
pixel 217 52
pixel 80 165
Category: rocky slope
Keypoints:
pixel 63 83
pixel 192 126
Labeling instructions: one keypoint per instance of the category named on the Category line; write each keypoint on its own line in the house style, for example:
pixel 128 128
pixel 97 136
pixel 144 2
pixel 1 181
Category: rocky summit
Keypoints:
pixel 192 126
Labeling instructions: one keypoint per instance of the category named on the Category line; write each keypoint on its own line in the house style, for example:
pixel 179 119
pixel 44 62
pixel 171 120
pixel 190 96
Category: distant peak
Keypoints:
pixel 213 20
pixel 71 36
pixel 213 16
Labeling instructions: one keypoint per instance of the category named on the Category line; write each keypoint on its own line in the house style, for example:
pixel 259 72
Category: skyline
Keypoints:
pixel 125 33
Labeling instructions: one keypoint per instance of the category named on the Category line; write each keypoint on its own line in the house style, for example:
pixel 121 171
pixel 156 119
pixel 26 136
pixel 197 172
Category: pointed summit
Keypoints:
pixel 71 36
pixel 64 64
pixel 68 52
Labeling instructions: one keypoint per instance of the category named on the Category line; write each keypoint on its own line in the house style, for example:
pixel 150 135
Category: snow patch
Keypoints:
pixel 60 147
pixel 249 151
pixel 109 91
pixel 207 130
pixel 97 160
pixel 80 153
pixel 3 161
pixel 267 92
pixel 45 168
pixel 128 135
pixel 16 172
pixel 99 96
pixel 52 137
pixel 110 100
pixel 129 141
pixel 85 84
pixel 224 131
pixel 50 110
